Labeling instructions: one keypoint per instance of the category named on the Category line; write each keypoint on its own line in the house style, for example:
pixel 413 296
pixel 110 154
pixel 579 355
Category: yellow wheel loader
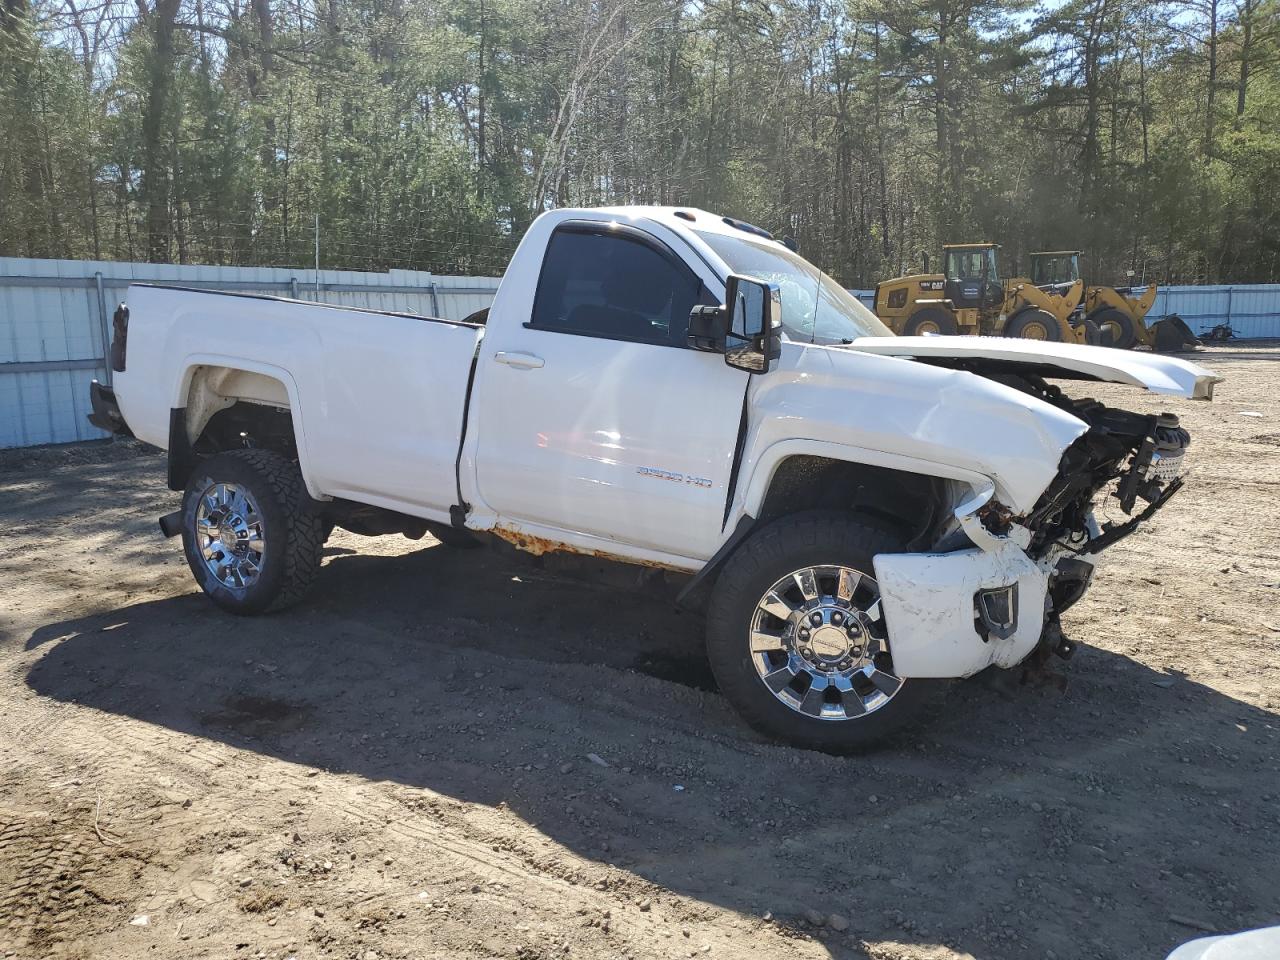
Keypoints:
pixel 1121 318
pixel 969 297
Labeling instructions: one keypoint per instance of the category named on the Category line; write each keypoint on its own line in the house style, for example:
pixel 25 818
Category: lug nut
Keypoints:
pixel 804 633
pixel 837 618
pixel 816 619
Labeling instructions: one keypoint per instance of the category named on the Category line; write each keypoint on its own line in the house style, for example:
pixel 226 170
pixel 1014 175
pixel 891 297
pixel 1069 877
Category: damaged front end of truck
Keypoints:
pixel 993 591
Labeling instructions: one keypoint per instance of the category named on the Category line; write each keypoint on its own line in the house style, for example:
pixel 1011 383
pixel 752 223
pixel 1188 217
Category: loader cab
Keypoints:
pixel 972 274
pixel 1055 268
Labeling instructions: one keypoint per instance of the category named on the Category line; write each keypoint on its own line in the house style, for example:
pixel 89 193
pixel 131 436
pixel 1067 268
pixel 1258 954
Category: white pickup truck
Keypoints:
pixel 863 516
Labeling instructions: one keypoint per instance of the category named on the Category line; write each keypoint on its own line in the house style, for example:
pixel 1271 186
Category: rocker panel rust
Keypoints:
pixel 538 546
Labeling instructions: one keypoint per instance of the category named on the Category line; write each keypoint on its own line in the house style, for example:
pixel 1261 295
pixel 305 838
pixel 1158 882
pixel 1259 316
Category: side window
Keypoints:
pixel 612 286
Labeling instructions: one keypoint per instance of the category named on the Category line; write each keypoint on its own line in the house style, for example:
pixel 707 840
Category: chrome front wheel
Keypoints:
pixel 797 639
pixel 818 643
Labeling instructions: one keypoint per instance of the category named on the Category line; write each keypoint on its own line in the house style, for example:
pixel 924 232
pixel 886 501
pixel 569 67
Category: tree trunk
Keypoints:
pixel 1213 79
pixel 941 130
pixel 886 249
pixel 480 109
pixel 1246 53
pixel 26 179
pixel 156 153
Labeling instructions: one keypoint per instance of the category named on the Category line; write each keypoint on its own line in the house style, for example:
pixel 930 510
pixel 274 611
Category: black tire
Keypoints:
pixel 1029 323
pixel 786 545
pixel 1123 334
pixel 292 531
pixel 930 320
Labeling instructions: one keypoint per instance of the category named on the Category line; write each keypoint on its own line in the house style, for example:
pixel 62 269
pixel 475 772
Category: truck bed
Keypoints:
pixel 377 398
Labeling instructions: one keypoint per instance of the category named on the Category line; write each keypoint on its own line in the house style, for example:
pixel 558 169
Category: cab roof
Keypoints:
pixel 691 218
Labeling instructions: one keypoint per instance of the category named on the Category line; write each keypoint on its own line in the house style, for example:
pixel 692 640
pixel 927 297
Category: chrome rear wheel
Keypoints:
pixel 251 534
pixel 818 643
pixel 229 534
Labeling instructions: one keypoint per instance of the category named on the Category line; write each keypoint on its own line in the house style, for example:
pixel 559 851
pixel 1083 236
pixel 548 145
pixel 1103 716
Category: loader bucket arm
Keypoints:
pixel 1144 303
pixel 1061 306
pixel 1111 297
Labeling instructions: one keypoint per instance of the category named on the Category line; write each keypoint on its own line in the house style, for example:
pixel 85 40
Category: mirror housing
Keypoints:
pixel 708 328
pixel 747 329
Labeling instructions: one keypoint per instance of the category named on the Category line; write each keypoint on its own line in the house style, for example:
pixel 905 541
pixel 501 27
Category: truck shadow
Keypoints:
pixel 1015 823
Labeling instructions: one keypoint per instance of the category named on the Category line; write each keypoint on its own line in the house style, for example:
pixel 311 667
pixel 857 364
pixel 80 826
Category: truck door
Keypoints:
pixel 593 414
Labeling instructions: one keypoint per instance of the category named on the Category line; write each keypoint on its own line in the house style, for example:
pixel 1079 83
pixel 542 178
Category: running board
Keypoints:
pixel 171 523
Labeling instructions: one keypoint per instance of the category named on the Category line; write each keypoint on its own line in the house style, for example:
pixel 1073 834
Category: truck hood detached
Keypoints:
pixel 1068 361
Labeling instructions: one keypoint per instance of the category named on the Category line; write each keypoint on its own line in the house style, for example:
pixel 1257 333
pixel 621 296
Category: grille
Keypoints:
pixel 1166 466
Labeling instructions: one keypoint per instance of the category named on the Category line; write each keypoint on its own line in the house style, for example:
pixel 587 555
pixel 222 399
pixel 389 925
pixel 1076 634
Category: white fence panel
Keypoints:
pixel 55 315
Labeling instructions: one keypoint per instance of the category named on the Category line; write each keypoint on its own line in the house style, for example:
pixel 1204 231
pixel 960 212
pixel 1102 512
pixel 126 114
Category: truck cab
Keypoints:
pixel 972 274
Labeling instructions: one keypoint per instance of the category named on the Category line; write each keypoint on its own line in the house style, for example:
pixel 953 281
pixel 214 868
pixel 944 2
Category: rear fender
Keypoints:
pixel 210 383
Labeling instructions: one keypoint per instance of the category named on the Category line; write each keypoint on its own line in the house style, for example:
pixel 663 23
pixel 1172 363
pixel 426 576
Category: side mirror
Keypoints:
pixel 755 324
pixel 747 329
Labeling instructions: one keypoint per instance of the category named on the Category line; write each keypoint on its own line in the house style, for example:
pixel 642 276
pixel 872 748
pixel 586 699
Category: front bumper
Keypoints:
pixel 929 602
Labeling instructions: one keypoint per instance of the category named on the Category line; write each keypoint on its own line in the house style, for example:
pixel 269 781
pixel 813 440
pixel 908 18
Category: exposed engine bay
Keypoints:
pixel 1143 453
pixel 1122 459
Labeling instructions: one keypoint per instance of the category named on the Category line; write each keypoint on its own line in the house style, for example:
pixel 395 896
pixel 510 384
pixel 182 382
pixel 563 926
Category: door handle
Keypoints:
pixel 521 361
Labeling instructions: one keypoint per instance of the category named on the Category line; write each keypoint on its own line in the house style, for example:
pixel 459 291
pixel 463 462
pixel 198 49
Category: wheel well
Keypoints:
pixel 916 506
pixel 913 503
pixel 229 409
pixel 248 424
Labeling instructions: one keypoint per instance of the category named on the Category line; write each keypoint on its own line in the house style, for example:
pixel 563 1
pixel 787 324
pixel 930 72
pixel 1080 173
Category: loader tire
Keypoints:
pixel 930 320
pixel 1092 332
pixel 251 534
pixel 1033 325
pixel 1123 333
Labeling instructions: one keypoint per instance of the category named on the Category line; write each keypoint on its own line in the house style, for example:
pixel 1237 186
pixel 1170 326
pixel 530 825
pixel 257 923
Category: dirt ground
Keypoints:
pixel 468 754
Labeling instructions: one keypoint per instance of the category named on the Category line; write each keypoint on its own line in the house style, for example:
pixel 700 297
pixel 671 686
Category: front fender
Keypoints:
pixel 858 407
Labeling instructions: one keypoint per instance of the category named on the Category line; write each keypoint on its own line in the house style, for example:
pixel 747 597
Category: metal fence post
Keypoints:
pixel 105 323
pixel 293 287
pixel 435 299
pixel 1229 291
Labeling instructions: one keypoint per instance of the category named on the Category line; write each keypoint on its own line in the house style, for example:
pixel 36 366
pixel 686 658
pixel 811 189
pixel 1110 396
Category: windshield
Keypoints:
pixel 1055 268
pixel 815 309
pixel 972 263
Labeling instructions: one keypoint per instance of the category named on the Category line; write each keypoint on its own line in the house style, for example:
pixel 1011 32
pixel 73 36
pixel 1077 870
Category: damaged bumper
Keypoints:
pixel 953 614
pixel 950 615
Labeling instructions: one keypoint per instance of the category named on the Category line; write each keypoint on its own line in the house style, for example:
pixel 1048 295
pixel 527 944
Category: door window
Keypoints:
pixel 615 286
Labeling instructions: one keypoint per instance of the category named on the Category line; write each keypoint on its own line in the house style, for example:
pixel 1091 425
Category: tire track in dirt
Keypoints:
pixel 47 870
